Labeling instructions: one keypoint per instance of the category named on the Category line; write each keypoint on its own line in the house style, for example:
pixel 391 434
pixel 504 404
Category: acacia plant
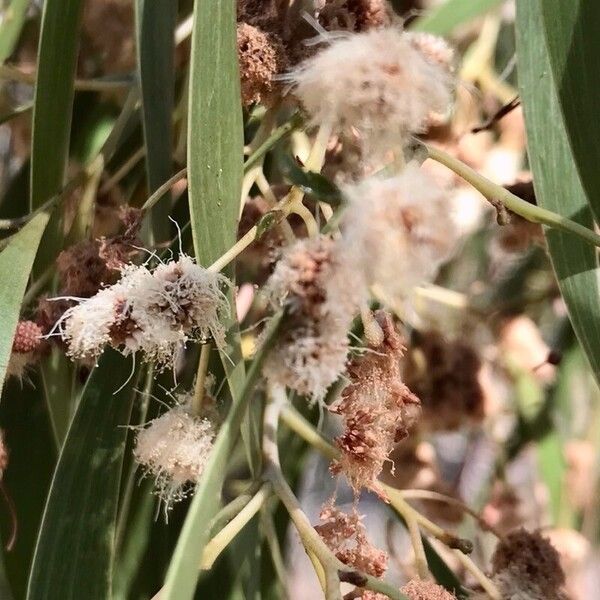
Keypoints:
pixel 285 286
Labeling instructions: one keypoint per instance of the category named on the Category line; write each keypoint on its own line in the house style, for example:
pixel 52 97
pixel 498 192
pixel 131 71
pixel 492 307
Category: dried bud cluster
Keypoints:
pixel 377 409
pixel 398 230
pixel 346 536
pixel 418 589
pixel 311 282
pixel 444 374
pixel 354 15
pixel 261 57
pixel 526 565
pixel 26 344
pixel 174 449
pixel 152 311
pixel 389 93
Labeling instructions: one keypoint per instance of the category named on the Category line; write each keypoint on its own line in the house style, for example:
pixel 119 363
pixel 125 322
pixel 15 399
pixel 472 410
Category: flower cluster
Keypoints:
pixel 391 91
pixel 377 409
pixel 526 565
pixel 174 449
pixel 346 536
pixel 398 230
pixel 310 281
pixel 26 344
pixel 154 312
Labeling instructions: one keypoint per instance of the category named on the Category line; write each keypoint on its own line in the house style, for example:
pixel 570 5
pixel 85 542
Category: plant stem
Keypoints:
pixel 279 133
pixel 217 544
pixel 199 388
pixel 497 194
pixel 163 189
pixel 129 164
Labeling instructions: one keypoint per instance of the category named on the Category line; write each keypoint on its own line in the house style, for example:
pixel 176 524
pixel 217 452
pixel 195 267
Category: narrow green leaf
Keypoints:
pixel 53 103
pixel 75 549
pixel 16 261
pixel 183 572
pixel 155 25
pixel 215 130
pixel 13 20
pixel 442 573
pixel 557 183
pixel 52 114
pixel 448 15
pixel 573 49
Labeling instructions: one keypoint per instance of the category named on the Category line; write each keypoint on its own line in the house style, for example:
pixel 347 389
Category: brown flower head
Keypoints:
pixel 528 561
pixel 417 589
pixel 346 536
pixel 354 15
pixel 261 57
pixel 377 409
pixel 444 374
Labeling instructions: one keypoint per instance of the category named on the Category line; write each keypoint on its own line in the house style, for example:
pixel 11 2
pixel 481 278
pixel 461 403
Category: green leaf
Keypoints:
pixel 557 183
pixel 13 19
pixel 448 15
pixel 74 553
pixel 215 130
pixel 312 183
pixel 183 572
pixel 16 261
pixel 155 25
pixel 52 114
pixel 53 103
pixel 573 49
pixel 442 573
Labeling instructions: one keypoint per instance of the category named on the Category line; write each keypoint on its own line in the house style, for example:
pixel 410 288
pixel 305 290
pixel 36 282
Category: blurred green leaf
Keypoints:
pixel 442 573
pixel 75 549
pixel 557 183
pixel 52 113
pixel 16 261
pixel 155 26
pixel 442 19
pixel 13 19
pixel 312 183
pixel 32 457
pixel 215 130
pixel 183 571
pixel 573 53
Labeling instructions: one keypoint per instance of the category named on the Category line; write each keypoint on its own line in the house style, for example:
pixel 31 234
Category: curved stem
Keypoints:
pixel 497 194
pixel 199 391
pixel 217 544
pixel 129 164
pixel 163 189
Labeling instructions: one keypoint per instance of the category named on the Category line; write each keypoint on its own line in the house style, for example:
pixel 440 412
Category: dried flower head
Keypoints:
pixel 25 348
pixel 419 589
pixel 353 15
pixel 377 409
pixel 445 375
pixel 174 449
pixel 526 565
pixel 261 57
pixel 346 536
pixel 398 230
pixel 155 312
pixel 388 92
pixel 311 282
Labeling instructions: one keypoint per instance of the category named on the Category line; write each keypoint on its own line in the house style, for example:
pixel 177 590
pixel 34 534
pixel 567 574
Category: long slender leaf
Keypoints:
pixel 573 49
pixel 75 549
pixel 557 183
pixel 215 132
pixel 16 261
pixel 11 27
pixel 155 25
pixel 182 575
pixel 448 15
